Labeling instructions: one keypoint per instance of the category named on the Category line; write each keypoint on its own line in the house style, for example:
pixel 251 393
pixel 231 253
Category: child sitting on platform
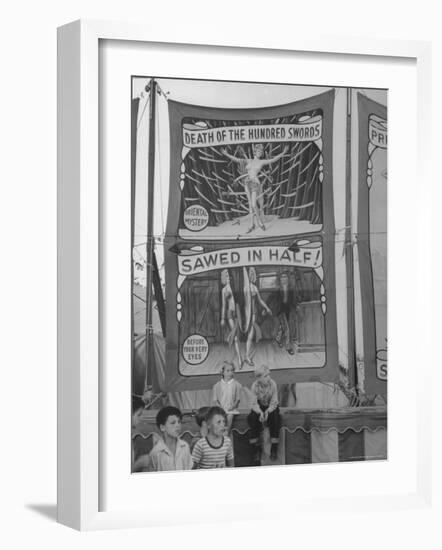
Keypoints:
pixel 264 409
pixel 170 452
pixel 227 393
pixel 215 450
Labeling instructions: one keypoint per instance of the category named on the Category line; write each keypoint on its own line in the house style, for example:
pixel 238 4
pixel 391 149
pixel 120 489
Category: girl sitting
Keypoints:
pixel 227 393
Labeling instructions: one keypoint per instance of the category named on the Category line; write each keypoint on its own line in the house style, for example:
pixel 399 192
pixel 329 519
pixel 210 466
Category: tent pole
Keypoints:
pixel 349 252
pixel 150 236
pixel 133 143
pixel 158 291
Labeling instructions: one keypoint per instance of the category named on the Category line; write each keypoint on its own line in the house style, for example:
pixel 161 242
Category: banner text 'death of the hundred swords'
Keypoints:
pixel 200 136
pixel 249 249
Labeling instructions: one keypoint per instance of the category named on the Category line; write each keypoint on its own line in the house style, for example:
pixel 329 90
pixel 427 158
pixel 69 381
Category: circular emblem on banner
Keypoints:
pixel 195 349
pixel 195 217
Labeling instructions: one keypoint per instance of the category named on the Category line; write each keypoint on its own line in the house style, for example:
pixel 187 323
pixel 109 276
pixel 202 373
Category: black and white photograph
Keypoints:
pixel 259 289
pixel 221 325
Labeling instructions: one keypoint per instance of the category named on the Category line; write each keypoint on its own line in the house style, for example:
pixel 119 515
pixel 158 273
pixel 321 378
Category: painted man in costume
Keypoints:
pixel 286 301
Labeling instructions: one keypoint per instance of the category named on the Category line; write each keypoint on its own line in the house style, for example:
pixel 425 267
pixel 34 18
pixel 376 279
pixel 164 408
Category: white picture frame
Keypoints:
pixel 80 391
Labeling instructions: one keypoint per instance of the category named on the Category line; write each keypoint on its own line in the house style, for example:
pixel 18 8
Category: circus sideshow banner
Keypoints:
pixel 250 241
pixel 251 304
pixel 372 244
pixel 251 173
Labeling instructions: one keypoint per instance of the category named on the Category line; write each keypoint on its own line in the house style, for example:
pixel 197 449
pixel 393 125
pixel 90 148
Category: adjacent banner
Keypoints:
pixel 372 244
pixel 250 244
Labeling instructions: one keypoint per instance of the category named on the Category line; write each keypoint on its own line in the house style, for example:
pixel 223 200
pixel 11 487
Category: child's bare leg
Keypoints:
pixel 274 423
pixel 255 424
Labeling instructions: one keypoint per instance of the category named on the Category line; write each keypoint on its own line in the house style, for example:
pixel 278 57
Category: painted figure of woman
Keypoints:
pixel 285 303
pixel 254 333
pixel 229 313
pixel 252 183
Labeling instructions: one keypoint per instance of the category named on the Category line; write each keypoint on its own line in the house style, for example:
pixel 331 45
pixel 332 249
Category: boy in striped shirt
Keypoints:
pixel 215 450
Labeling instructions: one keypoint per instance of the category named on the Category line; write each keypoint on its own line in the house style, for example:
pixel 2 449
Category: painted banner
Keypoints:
pixel 372 244
pixel 249 247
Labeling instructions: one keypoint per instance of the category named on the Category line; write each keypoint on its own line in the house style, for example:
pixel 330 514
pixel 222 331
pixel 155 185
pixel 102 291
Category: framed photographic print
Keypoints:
pixel 255 245
pixel 226 220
